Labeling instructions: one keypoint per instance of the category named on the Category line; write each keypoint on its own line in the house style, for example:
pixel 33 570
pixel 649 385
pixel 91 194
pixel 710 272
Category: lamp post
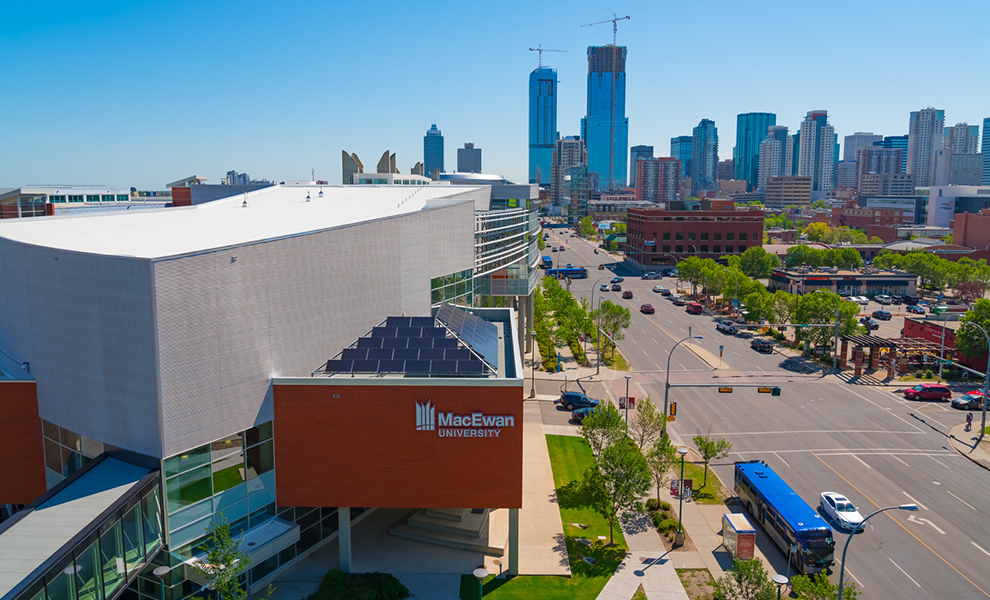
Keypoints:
pixel 781 581
pixel 481 573
pixel 666 389
pixel 842 569
pixel 593 287
pixel 532 390
pixel 160 573
pixel 598 334
pixel 941 358
pixel 628 377
pixel 986 384
pixel 679 538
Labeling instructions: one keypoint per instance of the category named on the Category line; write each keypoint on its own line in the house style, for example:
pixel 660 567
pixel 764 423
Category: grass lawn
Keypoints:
pixel 713 493
pixel 616 361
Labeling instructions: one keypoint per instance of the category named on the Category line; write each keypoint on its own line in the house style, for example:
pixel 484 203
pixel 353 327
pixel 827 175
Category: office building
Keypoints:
pixel 727 170
pixel 659 179
pixel 680 148
pixel 776 156
pixel 945 201
pixel 852 143
pixel 962 138
pixel 893 142
pixel 972 230
pixel 635 153
pixel 985 151
pixel 788 190
pixel 42 200
pixel 958 168
pixel 845 174
pixel 542 123
pixel 816 153
pixel 914 208
pixel 878 160
pixel 885 184
pixel 568 152
pixel 605 127
pixel 704 158
pixel 924 141
pixel 432 152
pixel 469 159
pixel 751 130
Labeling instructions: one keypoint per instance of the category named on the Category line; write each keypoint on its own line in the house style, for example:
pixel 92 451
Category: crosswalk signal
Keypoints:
pixel 775 391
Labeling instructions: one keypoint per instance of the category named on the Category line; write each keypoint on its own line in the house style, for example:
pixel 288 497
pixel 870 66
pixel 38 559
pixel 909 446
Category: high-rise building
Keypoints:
pixel 635 153
pixel 568 152
pixel 726 169
pixel 469 159
pixel 896 141
pixel 659 179
pixel 680 148
pixel 605 127
pixel 816 153
pixel 542 123
pixel 704 157
pixel 925 132
pixel 787 191
pixel 433 151
pixel 986 152
pixel 958 168
pixel 852 143
pixel 962 138
pixel 877 160
pixel 751 130
pixel 776 156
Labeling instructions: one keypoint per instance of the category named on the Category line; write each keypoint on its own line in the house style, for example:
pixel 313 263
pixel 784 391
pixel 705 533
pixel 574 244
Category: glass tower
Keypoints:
pixel 896 141
pixel 635 153
pixel 704 157
pixel 606 128
pixel 432 151
pixel 985 149
pixel 542 123
pixel 680 148
pixel 751 130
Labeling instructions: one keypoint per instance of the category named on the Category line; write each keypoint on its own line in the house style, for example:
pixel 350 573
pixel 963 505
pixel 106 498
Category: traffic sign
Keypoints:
pixel 720 349
pixel 764 390
pixel 725 390
pixel 776 391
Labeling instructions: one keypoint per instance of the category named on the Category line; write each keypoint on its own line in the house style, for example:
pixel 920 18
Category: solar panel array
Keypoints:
pixel 480 334
pixel 409 345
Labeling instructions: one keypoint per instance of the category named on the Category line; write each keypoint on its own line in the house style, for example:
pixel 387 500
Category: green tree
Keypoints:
pixel 619 228
pixel 970 340
pixel 648 423
pixel 781 307
pixel 615 485
pixel 818 587
pixel 800 254
pixel 710 448
pixel 614 320
pixel 818 232
pixel 660 458
pixel 756 304
pixel 691 269
pixel 819 204
pixel 587 226
pixel 887 260
pixel 848 258
pixel 224 551
pixel 747 580
pixel 613 246
pixel 757 263
pixel 820 308
pixel 603 427
pixel 540 243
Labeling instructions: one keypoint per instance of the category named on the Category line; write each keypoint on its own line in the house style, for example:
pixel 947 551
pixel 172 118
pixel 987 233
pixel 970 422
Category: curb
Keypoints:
pixel 982 459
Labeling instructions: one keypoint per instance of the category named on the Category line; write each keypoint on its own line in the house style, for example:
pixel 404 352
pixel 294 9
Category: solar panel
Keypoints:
pixel 396 342
pixel 470 366
pixel 445 343
pixel 457 354
pixel 397 321
pixel 434 332
pixel 443 366
pixel 421 342
pixel 480 334
pixel 383 332
pixel 354 354
pixel 392 366
pixel 339 366
pixel 379 354
pixel 409 332
pixel 431 354
pixel 422 322
pixel 369 342
pixel 365 366
pixel 418 366
pixel 406 354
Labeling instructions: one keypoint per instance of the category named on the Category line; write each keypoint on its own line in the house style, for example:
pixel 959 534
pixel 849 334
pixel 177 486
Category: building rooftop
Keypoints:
pixel 274 212
pixel 837 272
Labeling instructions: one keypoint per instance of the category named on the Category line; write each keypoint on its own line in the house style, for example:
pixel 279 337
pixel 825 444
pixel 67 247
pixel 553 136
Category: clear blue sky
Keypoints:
pixel 140 93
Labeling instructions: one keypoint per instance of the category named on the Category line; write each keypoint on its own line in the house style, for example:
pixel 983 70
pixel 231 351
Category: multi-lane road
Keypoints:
pixel 820 434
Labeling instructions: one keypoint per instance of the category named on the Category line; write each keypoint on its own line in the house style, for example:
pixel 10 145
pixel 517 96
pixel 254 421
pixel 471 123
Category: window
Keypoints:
pixel 742 237
pixel 107 198
pixel 666 248
pixel 718 237
pixel 92 198
pixel 57 199
pixel 728 248
pixel 666 218
pixel 75 198
pixel 678 248
pixel 679 236
pixel 704 248
pixel 122 197
pixel 741 249
pixel 666 236
pixel 691 236
pixel 704 236
pixel 729 237
pixel 717 249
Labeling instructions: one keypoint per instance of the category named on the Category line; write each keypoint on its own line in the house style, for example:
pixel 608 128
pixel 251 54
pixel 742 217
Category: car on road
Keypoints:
pixel 572 400
pixel 601 267
pixel 617 280
pixel 658 289
pixel 581 413
pixel 666 293
pixel 928 391
pixel 761 345
pixel 883 299
pixel 726 326
pixel 627 295
pixel 651 275
pixel 562 248
pixel 839 508
pixel 554 249
pixel 616 287
pixel 647 309
pixel 670 273
pixel 603 288
pixel 969 401
pixel 695 308
pixel 869 323
pixel 938 308
pixel 914 308
pixel 678 301
pixel 883 315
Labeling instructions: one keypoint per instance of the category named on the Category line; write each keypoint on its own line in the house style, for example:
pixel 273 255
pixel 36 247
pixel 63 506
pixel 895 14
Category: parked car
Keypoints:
pixel 647 309
pixel 940 308
pixel 603 288
pixel 572 400
pixel 969 401
pixel 869 323
pixel 627 295
pixel 658 289
pixel 581 413
pixel 695 308
pixel 617 280
pixel 914 308
pixel 678 301
pixel 839 508
pixel 910 300
pixel 726 326
pixel 761 345
pixel 883 315
pixel 928 391
pixel 616 287
pixel 883 299
pixel 896 300
pixel 670 272
pixel 862 300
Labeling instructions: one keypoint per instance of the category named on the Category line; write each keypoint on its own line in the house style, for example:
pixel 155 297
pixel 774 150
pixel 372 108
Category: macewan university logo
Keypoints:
pixel 448 424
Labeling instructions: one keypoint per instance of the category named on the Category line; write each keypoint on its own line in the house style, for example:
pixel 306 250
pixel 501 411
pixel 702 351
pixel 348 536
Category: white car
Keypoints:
pixel 841 509
pixel 859 300
pixel 658 288
pixel 726 326
pixel 883 299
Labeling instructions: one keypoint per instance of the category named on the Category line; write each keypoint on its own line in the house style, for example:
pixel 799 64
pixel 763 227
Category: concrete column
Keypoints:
pixel 520 306
pixel 530 319
pixel 344 537
pixel 843 357
pixel 513 541
pixel 858 361
pixel 874 358
pixel 902 365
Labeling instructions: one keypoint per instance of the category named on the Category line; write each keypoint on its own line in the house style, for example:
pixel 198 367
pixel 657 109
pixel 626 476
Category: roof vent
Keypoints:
pixel 321 192
pixel 244 204
pixel 307 196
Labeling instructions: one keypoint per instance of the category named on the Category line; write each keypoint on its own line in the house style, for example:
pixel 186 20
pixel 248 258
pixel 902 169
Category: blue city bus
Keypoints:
pixel 800 532
pixel 568 271
pixel 547 262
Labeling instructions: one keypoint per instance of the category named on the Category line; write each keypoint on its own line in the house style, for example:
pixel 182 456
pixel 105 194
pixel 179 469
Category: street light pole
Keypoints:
pixel 532 390
pixel 628 377
pixel 941 359
pixel 598 334
pixel 842 569
pixel 666 390
pixel 679 540
pixel 593 285
pixel 986 384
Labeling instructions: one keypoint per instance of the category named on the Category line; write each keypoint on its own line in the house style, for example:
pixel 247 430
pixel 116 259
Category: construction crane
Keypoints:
pixel 611 134
pixel 541 50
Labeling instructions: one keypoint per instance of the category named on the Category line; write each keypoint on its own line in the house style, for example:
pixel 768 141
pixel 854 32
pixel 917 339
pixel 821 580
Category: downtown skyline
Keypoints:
pixel 280 94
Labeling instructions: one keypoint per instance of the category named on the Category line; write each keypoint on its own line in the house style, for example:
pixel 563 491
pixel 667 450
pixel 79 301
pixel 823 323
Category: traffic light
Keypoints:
pixel 775 392
pixel 673 409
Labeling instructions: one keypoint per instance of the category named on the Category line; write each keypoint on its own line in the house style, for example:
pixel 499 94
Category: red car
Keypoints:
pixel 647 309
pixel 627 295
pixel 928 391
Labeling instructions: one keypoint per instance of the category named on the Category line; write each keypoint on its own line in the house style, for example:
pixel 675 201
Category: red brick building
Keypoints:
pixel 853 216
pixel 972 230
pixel 661 237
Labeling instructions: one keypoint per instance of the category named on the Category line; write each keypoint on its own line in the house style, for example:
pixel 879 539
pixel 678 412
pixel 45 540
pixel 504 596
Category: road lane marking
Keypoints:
pixel 892 414
pixel 964 502
pixel 898 460
pixel 903 571
pixel 915 519
pixel 913 500
pixel 634 341
pixel 816 431
pixel 862 461
pixel 891 517
pixel 981 549
pixel 782 460
pixel 940 462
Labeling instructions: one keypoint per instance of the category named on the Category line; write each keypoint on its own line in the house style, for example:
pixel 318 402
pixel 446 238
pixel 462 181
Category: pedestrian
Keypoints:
pixel 969 422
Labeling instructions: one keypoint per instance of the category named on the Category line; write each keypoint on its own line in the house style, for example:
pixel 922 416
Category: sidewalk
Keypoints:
pixel 646 564
pixel 965 443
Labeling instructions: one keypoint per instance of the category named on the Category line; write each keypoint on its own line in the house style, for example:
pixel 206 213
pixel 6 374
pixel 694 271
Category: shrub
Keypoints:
pixel 655 517
pixel 664 505
pixel 664 514
pixel 367 586
pixel 652 505
pixel 668 525
pixel 929 374
pixel 919 373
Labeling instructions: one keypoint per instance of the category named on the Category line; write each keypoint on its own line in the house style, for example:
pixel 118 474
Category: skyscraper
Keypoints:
pixel 879 161
pixel 751 130
pixel 704 157
pixel 896 141
pixel 816 151
pixel 433 151
pixel 962 138
pixel 605 128
pixel 860 139
pixel 986 152
pixel 469 159
pixel 659 179
pixel 568 152
pixel 776 156
pixel 635 153
pixel 542 123
pixel 925 132
pixel 680 148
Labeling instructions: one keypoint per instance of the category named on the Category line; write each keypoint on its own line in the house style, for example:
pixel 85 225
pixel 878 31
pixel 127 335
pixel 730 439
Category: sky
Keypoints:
pixel 144 93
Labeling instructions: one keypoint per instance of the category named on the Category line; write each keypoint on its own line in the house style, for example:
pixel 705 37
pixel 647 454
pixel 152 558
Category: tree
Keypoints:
pixel 660 458
pixel 818 587
pixel 225 560
pixel 747 580
pixel 615 485
pixel 819 204
pixel 818 232
pixel 648 423
pixel 614 319
pixel 602 427
pixel 587 226
pixel 540 243
pixel 970 340
pixel 757 263
pixel 709 448
pixel 820 308
pixel 619 228
pixel 970 291
pixel 691 269
pixel 613 246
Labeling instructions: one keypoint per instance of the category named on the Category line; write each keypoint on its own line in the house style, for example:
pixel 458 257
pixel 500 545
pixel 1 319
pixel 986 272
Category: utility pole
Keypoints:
pixel 541 50
pixel 611 133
